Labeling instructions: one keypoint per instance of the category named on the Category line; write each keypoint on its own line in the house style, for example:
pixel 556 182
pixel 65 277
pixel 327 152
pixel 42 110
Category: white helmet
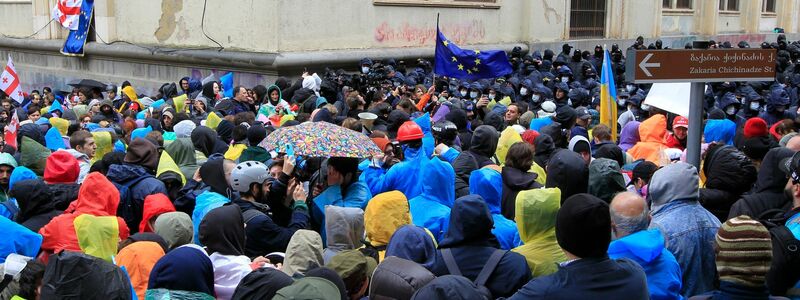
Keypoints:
pixel 247 173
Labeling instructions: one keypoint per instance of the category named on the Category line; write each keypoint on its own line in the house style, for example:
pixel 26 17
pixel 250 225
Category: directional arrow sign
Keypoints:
pixel 702 65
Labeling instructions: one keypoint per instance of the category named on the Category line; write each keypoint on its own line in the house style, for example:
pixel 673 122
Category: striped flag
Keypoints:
pixel 9 82
pixel 608 96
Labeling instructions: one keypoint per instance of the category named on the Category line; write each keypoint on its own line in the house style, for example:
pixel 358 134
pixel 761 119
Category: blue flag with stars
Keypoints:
pixel 76 39
pixel 452 61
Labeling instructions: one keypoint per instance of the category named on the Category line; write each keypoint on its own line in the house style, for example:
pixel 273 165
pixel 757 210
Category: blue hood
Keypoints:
pixel 488 184
pixel 439 184
pixel 778 96
pixel 205 202
pixel 19 174
pixel 644 246
pixel 413 243
pixel 719 131
pixel 53 139
pixel 728 99
pixel 19 240
pixel 471 224
pixel 428 143
pixel 121 173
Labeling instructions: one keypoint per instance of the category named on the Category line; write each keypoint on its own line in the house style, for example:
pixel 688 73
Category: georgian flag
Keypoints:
pixel 67 12
pixel 9 82
pixel 10 133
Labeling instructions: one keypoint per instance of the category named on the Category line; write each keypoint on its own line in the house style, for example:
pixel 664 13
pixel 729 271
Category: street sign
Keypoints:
pixel 701 65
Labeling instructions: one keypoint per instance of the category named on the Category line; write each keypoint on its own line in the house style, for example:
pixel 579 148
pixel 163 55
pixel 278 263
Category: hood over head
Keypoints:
pixel 629 135
pixel 439 185
pixel 222 230
pixel 183 269
pixel 605 179
pixel 262 283
pixel 175 227
pixel 470 224
pixel 303 253
pixel 397 278
pixel 654 129
pixel 384 214
pixel 344 227
pixel 413 243
pixel 213 174
pixel 154 206
pixel 721 131
pixel 488 184
pixel 33 197
pixel 97 196
pixel 771 177
pixel 678 181
pixel 567 171
pixel 643 247
pixel 142 153
pixel 484 140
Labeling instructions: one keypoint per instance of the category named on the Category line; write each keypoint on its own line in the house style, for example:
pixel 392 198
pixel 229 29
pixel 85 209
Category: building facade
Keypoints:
pixel 150 42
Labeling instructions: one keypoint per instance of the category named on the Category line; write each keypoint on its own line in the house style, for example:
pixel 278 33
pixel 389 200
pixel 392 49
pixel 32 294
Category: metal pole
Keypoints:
pixel 695 123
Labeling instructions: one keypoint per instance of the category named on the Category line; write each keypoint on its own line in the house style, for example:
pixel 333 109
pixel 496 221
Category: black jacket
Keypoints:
pixel 514 181
pixel 35 204
pixel 767 193
pixel 64 194
pixel 590 278
pixel 480 154
pixel 729 173
pixel 567 171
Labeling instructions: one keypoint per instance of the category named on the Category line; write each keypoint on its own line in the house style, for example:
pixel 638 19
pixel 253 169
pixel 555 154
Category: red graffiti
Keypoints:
pixel 411 35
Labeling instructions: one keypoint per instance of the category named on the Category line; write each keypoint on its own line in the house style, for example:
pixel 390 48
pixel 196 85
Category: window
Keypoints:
pixel 728 5
pixel 768 6
pixel 587 19
pixel 676 4
pixel 441 3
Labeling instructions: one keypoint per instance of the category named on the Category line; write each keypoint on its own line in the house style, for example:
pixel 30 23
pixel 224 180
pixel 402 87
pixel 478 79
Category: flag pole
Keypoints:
pixel 436 40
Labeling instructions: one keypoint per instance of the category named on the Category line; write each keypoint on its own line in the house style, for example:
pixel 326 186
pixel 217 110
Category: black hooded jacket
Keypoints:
pixel 767 194
pixel 459 117
pixel 35 204
pixel 514 181
pixel 567 171
pixel 545 148
pixel 729 173
pixel 222 230
pixel 471 242
pixel 205 140
pixel 480 154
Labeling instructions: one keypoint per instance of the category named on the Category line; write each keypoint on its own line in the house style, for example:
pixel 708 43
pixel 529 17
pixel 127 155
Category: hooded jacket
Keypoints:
pixel 33 155
pixel 182 152
pixel 720 131
pixel 471 242
pixel 222 232
pixel 646 248
pixel 688 228
pixel 270 108
pixel 97 197
pixel 384 214
pixel 344 228
pixel 767 193
pixel 629 135
pixel 653 132
pixel 154 205
pixel 777 98
pixel 262 283
pixel 567 171
pixel 431 209
pixel 355 195
pixel 304 253
pixel 480 154
pixel 545 148
pixel 35 203
pixel 729 173
pixel 487 183
pixel 398 278
pixel 406 176
pixel 185 269
pixel 175 228
pixel 20 240
pixel 139 259
pixel 99 279
pixel 536 212
pixel 413 243
pixel 515 181
pixel 83 162
pixel 206 141
pixel 605 179
pixel 141 184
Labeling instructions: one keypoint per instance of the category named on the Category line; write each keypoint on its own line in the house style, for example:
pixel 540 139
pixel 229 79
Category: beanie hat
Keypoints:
pixel 144 153
pixel 755 127
pixel 757 147
pixel 744 252
pixel 256 133
pixel 583 226
pixel 61 167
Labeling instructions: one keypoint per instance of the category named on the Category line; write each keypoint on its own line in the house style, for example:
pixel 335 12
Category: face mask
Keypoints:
pixel 730 110
pixel 754 105
pixel 523 91
pixel 630 88
pixel 535 98
pixel 645 107
pixel 491 96
pixel 569 102
pixel 621 102
pixel 565 79
pixel 780 109
pixel 473 95
pixel 463 93
pixel 365 70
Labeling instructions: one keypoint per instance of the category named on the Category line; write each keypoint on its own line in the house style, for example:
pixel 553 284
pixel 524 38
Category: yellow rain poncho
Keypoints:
pixel 97 236
pixel 508 138
pixel 235 151
pixel 212 121
pixel 166 163
pixel 104 145
pixel 61 124
pixel 536 220
pixel 384 214
pixel 180 105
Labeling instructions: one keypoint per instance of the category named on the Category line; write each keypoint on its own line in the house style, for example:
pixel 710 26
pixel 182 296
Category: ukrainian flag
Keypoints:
pixel 608 97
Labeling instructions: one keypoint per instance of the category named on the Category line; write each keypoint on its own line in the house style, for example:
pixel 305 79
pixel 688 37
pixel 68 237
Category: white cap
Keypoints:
pixel 367 116
pixel 549 106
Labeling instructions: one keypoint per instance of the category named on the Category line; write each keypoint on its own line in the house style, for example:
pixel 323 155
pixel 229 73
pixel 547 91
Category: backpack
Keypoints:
pixel 483 276
pixel 784 272
pixel 129 209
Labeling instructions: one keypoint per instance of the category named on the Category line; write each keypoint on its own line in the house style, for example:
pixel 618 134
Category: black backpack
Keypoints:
pixel 483 276
pixel 784 272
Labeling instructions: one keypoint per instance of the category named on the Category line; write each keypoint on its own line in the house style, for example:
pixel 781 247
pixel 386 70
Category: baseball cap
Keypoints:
pixel 583 113
pixel 791 166
pixel 680 121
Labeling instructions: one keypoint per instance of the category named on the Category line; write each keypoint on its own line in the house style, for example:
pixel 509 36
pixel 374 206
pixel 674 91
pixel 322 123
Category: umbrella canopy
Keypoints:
pixel 321 139
pixel 88 83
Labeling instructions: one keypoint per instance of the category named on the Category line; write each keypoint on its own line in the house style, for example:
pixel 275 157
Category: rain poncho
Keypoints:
pixel 428 143
pixel 647 249
pixel 431 209
pixel 72 275
pixel 167 164
pixel 304 253
pixel 488 183
pixel 54 140
pixel 605 179
pixel 19 240
pixel 344 227
pixel 103 141
pixel 234 151
pixel 184 271
pixel 138 259
pixel 356 195
pixel 406 176
pixel 653 133
pixel 385 213
pixel 97 197
pixel 205 202
pixel 720 131
pixel 154 205
pixel 97 236
pixel 536 211
pixel 182 152
pixel 508 137
pixel 629 135
pixel 413 243
pixel 175 227
pixel 33 155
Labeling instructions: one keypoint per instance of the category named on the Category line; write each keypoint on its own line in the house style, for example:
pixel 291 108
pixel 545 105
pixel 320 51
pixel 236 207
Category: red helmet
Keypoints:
pixel 409 131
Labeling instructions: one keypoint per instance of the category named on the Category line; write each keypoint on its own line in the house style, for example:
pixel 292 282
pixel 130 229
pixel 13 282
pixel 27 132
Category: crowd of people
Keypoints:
pixel 497 188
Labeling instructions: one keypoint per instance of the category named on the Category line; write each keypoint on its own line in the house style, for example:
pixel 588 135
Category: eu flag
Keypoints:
pixel 452 61
pixel 76 39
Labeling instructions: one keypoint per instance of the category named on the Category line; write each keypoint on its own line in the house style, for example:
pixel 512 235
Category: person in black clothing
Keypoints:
pixel 516 176
pixel 480 154
pixel 35 203
pixel 729 173
pixel 768 192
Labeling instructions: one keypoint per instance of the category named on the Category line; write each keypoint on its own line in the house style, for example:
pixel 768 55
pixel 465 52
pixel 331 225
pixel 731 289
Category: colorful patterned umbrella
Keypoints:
pixel 321 139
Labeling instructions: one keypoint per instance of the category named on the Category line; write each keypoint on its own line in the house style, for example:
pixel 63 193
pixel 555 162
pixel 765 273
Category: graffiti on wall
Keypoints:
pixel 407 34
